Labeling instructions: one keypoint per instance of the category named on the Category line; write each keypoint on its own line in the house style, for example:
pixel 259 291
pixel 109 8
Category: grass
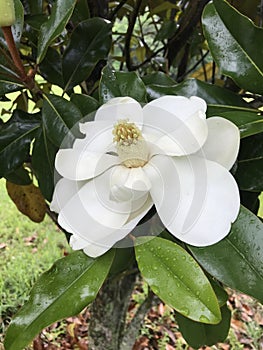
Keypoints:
pixel 27 249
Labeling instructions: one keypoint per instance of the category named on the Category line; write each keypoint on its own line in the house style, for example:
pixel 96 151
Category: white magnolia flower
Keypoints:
pixel 164 154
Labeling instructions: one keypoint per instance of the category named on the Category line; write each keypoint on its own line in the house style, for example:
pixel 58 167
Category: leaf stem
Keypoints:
pixel 14 52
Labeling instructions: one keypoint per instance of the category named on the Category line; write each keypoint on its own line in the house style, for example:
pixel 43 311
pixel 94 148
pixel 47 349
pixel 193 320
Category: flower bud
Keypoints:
pixel 7 11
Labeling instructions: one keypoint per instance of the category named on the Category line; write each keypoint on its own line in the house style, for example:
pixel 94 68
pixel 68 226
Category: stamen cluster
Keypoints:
pixel 126 133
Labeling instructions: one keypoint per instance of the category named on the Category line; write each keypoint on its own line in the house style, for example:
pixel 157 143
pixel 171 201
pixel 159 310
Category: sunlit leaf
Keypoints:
pixel 177 279
pixel 236 44
pixel 60 14
pixel 71 284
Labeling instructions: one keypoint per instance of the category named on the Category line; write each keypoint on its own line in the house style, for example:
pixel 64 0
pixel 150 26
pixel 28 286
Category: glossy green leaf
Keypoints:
pixel 71 284
pixel 218 99
pixel 158 78
pixel 35 6
pixel 237 260
pixel 90 42
pixel 17 28
pixel 236 44
pixel 43 162
pixel 249 172
pixel 60 14
pixel 198 334
pixel 249 123
pixel 7 86
pixel 8 79
pixel 86 104
pixel 115 84
pixel 19 176
pixel 220 293
pixel 16 136
pixel 51 67
pixel 81 12
pixel 59 118
pixel 176 278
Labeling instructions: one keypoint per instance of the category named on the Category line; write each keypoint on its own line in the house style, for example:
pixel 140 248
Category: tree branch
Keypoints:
pixel 117 8
pixel 189 20
pixel 132 21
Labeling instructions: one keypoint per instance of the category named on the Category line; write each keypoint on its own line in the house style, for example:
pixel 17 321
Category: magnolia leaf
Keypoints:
pixel 51 67
pixel 90 42
pixel 237 260
pixel 51 29
pixel 19 176
pixel 199 334
pixel 249 123
pixel 176 278
pixel 43 162
pixel 115 84
pixel 86 104
pixel 28 200
pixel 59 118
pixel 218 99
pixel 71 284
pixel 249 172
pixel 235 43
pixel 16 136
pixel 158 78
pixel 7 86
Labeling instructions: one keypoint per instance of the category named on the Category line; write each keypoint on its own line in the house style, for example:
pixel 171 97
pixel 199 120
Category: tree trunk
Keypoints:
pixel 108 313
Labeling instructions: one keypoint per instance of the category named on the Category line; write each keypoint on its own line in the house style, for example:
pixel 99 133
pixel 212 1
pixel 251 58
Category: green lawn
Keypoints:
pixel 26 250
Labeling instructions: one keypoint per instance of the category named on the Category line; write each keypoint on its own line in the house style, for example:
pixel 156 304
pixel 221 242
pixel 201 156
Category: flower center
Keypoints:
pixel 131 146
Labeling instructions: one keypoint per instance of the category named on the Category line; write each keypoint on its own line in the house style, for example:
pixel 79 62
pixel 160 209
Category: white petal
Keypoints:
pixel 197 199
pixel 98 138
pixel 181 107
pixel 75 164
pixel 222 144
pixel 98 247
pixel 128 183
pixel 175 135
pixel 91 213
pixel 120 108
pixel 64 190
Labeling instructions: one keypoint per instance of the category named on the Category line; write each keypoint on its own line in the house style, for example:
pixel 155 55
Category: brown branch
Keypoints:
pixel 28 80
pixel 132 21
pixel 189 20
pixel 14 52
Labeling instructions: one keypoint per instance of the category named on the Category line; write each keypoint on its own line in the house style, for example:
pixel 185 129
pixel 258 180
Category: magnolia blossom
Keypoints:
pixel 166 154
